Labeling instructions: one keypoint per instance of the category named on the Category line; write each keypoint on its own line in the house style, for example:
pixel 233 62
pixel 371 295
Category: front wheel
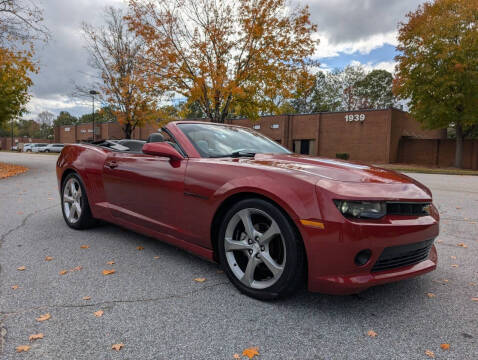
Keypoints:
pixel 260 250
pixel 74 203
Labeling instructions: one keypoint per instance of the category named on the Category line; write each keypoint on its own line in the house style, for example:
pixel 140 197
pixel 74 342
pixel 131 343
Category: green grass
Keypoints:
pixel 428 170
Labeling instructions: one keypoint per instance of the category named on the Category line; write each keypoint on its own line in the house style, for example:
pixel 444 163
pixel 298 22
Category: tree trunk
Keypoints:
pixel 459 146
pixel 127 130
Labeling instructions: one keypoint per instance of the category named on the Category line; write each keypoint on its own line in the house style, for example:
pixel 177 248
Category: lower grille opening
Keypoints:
pixel 403 255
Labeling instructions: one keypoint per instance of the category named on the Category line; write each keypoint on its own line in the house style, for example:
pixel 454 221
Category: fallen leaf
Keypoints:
pixel 455 265
pixel 372 333
pixel 84 246
pixel 99 313
pixel 430 353
pixel 463 245
pixel 200 280
pixel 453 257
pixel 14 287
pixel 236 356
pixel 251 352
pixel 78 268
pixel 48 258
pixel 431 295
pixel 21 268
pixel 36 336
pixel 472 284
pixel 63 272
pixel 20 212
pixel 156 257
pixel 117 347
pixel 111 262
pixel 109 272
pixel 445 346
pixel 474 299
pixel 86 298
pixel 139 248
pixel 50 198
pixel 439 241
pixel 219 272
pixel 22 348
pixel 43 317
pixel 458 207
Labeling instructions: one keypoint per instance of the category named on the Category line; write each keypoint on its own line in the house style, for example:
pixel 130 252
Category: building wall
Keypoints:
pixel 404 126
pixel 375 137
pixel 365 140
pixel 437 152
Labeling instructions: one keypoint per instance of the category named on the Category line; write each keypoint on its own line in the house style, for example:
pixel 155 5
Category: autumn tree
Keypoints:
pixel 116 53
pixel 15 69
pixel 437 67
pixel 375 90
pixel 228 57
pixel 22 21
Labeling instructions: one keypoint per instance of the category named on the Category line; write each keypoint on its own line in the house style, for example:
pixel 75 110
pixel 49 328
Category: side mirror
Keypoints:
pixel 162 149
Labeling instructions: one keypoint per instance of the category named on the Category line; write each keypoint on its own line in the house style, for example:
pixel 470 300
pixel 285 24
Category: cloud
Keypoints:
pixel 346 21
pixel 349 30
pixel 383 65
pixel 63 60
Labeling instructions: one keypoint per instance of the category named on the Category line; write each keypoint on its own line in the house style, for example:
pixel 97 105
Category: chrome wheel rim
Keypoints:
pixel 255 248
pixel 72 201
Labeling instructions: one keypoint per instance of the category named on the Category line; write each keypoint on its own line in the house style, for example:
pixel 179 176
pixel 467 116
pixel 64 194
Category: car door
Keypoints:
pixel 145 190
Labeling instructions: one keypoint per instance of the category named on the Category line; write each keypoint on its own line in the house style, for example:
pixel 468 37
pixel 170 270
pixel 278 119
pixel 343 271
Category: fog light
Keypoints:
pixel 363 257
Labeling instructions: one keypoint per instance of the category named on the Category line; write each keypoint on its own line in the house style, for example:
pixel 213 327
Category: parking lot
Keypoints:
pixel 154 307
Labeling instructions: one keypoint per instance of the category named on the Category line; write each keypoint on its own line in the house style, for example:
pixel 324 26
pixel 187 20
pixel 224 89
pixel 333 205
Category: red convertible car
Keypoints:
pixel 271 218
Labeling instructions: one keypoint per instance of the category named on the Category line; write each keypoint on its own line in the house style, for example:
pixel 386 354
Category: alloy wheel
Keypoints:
pixel 255 248
pixel 72 200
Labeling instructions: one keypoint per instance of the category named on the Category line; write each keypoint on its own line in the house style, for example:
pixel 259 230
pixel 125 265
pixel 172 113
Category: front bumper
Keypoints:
pixel 331 251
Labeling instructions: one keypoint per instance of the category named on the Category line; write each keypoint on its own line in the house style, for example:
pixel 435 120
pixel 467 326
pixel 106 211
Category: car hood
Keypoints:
pixel 330 169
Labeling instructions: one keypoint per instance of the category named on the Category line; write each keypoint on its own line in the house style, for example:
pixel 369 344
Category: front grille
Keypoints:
pixel 403 255
pixel 407 209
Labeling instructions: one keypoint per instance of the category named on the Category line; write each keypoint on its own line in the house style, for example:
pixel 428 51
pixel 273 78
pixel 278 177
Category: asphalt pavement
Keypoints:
pixel 153 306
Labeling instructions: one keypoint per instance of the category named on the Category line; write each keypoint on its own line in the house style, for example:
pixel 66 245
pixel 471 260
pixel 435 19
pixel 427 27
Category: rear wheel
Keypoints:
pixel 260 250
pixel 75 207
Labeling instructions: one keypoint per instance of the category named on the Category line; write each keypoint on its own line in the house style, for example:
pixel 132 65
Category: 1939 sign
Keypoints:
pixel 354 117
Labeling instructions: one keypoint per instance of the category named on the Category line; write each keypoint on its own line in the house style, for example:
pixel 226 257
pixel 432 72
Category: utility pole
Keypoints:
pixel 93 93
pixel 11 147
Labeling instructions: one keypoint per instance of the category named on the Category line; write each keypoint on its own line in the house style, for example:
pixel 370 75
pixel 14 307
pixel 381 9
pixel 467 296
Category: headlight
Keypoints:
pixel 362 209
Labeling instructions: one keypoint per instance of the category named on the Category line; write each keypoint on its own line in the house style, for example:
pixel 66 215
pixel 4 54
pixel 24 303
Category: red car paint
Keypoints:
pixel 177 201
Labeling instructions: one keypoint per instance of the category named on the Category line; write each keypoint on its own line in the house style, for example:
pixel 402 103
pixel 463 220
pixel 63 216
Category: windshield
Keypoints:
pixel 224 141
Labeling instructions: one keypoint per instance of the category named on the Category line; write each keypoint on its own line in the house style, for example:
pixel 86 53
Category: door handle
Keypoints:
pixel 111 164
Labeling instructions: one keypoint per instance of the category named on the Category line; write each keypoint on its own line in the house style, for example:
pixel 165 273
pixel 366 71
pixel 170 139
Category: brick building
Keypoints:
pixel 374 136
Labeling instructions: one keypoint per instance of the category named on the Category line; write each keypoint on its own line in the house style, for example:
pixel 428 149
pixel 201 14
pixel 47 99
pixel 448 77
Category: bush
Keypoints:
pixel 343 156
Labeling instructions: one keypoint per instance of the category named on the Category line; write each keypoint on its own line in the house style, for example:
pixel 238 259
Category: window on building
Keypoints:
pixel 305 146
pixel 274 126
pixel 257 127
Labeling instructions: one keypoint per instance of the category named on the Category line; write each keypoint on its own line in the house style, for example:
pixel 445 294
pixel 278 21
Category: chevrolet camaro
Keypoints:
pixel 272 219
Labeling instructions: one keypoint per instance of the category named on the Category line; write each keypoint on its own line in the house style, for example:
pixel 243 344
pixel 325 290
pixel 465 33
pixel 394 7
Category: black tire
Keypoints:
pixel 47 151
pixel 85 220
pixel 292 275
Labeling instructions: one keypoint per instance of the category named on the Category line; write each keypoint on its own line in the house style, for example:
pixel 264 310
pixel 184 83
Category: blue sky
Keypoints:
pixel 350 32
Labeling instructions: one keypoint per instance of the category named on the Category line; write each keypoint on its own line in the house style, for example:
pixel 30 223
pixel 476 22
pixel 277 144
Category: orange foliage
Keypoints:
pixel 229 57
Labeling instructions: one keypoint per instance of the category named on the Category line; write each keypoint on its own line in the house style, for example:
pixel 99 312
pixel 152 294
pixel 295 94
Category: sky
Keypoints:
pixel 351 32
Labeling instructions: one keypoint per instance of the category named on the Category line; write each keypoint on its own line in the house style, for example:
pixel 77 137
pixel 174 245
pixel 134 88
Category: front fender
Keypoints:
pixel 299 203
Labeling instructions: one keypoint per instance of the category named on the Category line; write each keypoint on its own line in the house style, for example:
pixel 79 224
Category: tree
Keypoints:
pixel 46 117
pixel 116 54
pixel 65 118
pixel 21 20
pixel 225 56
pixel 437 67
pixel 14 83
pixel 376 90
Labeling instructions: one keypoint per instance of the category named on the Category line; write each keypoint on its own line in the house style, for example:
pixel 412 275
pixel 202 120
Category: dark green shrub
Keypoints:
pixel 343 156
